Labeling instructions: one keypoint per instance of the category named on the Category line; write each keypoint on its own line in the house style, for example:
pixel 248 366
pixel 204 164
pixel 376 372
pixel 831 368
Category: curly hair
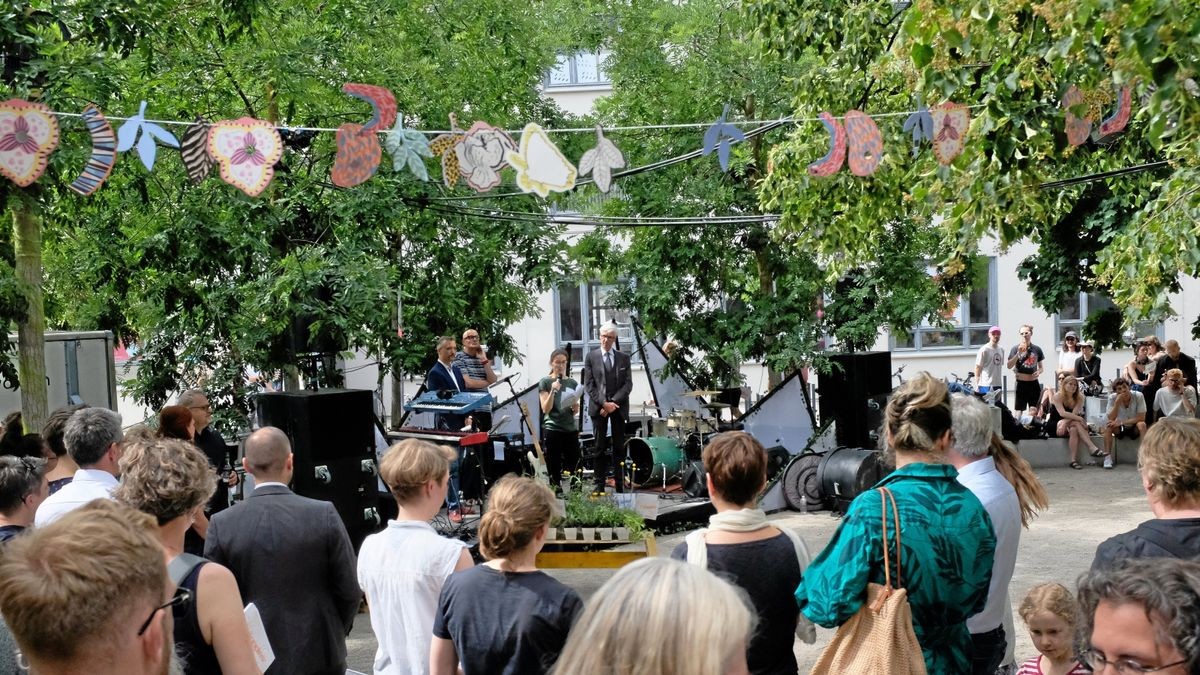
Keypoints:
pixel 1053 598
pixel 1168 590
pixel 1169 459
pixel 165 478
pixel 517 508
pixel 918 414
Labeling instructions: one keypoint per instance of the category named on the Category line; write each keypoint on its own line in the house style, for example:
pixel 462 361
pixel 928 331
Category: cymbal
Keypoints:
pixel 700 392
pixel 716 406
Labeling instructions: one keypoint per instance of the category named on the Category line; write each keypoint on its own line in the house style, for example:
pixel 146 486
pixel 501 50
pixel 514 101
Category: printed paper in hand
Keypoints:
pixel 264 656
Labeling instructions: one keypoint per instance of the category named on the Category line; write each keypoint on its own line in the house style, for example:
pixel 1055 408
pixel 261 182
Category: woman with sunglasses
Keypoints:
pixel 1070 422
pixel 171 480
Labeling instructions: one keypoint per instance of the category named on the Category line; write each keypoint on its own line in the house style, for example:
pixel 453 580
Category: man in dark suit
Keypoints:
pixel 443 376
pixel 607 381
pixel 292 558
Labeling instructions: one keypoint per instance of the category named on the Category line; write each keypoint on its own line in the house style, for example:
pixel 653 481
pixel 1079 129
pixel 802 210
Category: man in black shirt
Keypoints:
pixel 212 445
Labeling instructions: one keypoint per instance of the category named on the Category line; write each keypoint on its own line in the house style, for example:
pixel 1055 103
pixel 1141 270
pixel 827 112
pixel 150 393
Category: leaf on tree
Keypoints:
pixel 601 160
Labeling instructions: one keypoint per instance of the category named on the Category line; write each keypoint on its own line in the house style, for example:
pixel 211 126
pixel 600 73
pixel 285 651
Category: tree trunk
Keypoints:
pixel 31 333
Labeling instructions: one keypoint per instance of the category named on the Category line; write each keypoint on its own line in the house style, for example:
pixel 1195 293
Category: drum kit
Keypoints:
pixel 675 441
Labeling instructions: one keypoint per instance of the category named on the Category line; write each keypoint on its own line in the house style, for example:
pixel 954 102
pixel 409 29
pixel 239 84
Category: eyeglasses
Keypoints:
pixel 205 408
pixel 181 599
pixel 1071 339
pixel 470 337
pixel 1099 663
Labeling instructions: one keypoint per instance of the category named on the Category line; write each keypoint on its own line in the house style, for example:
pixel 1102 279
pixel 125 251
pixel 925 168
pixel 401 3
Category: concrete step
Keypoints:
pixel 1053 452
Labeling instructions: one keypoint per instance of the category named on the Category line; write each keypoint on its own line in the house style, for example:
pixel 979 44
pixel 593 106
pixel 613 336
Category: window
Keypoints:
pixel 1075 312
pixel 579 69
pixel 968 321
pixel 581 311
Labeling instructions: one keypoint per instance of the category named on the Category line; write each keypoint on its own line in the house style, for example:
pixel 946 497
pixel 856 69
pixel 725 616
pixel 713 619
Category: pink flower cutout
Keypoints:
pixel 248 153
pixel 18 138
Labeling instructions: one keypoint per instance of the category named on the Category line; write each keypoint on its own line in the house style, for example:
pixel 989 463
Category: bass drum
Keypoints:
pixel 845 473
pixel 655 459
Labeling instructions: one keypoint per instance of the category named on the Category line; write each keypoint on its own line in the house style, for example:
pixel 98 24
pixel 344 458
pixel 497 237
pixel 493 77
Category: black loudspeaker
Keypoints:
pixel 333 443
pixel 854 393
pixel 695 483
pixel 845 473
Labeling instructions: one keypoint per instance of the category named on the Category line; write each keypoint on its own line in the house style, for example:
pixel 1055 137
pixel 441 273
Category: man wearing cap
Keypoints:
pixel 1025 359
pixel 989 362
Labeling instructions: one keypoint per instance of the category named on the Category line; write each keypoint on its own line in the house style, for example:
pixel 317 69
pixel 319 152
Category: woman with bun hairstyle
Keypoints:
pixel 505 616
pixel 946 540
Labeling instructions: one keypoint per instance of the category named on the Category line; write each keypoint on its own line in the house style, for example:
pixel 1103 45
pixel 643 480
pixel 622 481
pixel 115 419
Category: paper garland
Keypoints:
pixel 1115 123
pixel 246 151
pixel 358 151
pixel 147 134
pixel 720 136
pixel 28 134
pixel 920 125
pixel 1078 128
pixel 481 155
pixel 601 160
pixel 865 143
pixel 832 162
pixel 408 147
pixel 541 167
pixel 193 150
pixel 950 123
pixel 444 146
pixel 104 153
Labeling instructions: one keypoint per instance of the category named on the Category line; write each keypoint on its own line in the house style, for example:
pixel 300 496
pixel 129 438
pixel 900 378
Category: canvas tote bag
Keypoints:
pixel 879 638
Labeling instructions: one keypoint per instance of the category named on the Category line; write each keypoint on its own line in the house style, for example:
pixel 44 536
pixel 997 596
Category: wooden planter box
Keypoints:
pixel 574 553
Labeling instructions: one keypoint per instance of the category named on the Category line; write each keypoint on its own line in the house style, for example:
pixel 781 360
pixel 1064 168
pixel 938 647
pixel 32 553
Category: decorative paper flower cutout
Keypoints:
pixel 832 162
pixel 408 147
pixel 541 166
pixel 444 145
pixel 104 153
pixel 357 157
pixel 920 125
pixel 601 160
pixel 246 151
pixel 1078 128
pixel 950 123
pixel 145 133
pixel 481 154
pixel 382 101
pixel 28 134
pixel 720 136
pixel 865 143
pixel 193 148
pixel 1115 123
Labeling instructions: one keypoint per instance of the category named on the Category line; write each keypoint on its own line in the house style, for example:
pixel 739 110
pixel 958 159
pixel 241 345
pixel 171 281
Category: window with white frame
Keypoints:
pixel 581 310
pixel 1075 311
pixel 967 322
pixel 578 70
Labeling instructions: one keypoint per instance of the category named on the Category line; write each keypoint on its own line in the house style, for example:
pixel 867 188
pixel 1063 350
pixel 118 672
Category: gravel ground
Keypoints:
pixel 1086 508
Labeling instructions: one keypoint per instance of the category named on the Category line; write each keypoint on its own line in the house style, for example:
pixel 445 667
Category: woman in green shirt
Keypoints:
pixel 559 396
pixel 947 537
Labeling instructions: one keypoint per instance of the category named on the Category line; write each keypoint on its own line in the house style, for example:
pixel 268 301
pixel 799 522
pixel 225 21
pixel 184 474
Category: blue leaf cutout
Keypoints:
pixel 920 125
pixel 150 135
pixel 147 150
pixel 719 137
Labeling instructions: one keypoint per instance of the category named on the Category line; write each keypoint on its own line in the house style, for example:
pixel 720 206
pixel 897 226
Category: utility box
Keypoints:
pixel 79 369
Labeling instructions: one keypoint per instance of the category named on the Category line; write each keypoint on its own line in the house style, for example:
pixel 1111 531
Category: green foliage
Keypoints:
pixel 585 509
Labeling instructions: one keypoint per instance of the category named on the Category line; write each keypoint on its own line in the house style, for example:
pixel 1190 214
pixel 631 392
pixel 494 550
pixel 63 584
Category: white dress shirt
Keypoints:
pixel 86 486
pixel 1000 500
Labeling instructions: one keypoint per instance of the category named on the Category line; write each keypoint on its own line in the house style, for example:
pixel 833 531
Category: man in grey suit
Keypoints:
pixel 607 381
pixel 292 558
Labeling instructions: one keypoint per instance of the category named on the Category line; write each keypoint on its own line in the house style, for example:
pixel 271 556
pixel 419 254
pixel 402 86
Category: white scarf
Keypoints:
pixel 749 520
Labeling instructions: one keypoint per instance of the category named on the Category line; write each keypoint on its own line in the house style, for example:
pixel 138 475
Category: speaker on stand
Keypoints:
pixel 854 393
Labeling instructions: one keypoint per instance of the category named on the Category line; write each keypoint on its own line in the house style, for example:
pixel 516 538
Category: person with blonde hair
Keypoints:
pixel 742 546
pixel 1050 613
pixel 1067 412
pixel 170 479
pixel 659 616
pixel 1176 398
pixel 1169 465
pixel 103 607
pixel 948 544
pixel 402 569
pixel 505 616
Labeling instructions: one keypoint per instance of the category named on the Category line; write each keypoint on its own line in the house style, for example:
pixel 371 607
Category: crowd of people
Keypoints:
pixel 96 577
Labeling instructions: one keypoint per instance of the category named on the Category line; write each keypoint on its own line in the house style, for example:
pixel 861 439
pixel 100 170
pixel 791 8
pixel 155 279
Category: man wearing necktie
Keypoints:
pixel 444 375
pixel 607 381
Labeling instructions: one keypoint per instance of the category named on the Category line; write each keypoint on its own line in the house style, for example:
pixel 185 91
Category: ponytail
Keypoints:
pixel 1017 471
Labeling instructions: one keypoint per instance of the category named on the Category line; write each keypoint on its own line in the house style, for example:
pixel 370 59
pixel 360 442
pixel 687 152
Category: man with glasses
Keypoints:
pixel 23 488
pixel 93 439
pixel 477 372
pixel 1025 359
pixel 608 382
pixel 1176 398
pixel 104 607
pixel 1142 617
pixel 212 445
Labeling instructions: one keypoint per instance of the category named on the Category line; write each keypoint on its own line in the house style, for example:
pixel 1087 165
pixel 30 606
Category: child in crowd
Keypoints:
pixel 1050 612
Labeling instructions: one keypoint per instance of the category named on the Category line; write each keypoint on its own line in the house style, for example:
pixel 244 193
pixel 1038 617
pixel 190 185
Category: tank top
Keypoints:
pixel 198 657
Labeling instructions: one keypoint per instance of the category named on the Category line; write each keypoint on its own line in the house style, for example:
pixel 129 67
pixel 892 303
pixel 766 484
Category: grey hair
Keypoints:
pixel 89 433
pixel 444 339
pixel 188 397
pixel 1168 589
pixel 608 326
pixel 19 478
pixel 972 425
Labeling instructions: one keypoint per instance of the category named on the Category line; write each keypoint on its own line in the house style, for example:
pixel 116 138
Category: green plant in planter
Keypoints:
pixel 587 509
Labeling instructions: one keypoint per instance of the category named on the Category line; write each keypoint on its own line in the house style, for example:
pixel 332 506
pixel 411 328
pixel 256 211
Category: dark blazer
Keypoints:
pixel 437 378
pixel 594 384
pixel 292 558
pixel 1185 363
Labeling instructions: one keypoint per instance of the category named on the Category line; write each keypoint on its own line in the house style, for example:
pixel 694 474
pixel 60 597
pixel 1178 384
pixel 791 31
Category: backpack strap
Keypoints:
pixel 182 565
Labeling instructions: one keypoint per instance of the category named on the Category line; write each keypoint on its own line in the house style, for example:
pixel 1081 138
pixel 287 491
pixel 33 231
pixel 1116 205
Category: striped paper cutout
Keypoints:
pixel 104 153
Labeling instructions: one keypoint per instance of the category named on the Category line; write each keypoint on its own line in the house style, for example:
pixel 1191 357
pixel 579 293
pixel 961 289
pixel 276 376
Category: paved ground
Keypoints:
pixel 1086 508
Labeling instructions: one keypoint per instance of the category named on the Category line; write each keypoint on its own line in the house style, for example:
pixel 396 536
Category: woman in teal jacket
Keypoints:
pixel 947 537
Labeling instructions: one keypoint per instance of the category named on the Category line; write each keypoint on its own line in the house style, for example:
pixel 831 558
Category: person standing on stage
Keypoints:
pixel 607 381
pixel 559 396
pixel 988 363
pixel 477 372
pixel 445 375
pixel 1025 359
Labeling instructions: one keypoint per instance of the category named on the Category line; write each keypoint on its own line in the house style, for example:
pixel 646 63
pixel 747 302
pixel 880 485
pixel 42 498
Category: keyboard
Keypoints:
pixel 440 435
pixel 461 403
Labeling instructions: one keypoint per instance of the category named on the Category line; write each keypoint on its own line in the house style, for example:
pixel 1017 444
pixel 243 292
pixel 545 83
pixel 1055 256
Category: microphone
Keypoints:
pixel 502 380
